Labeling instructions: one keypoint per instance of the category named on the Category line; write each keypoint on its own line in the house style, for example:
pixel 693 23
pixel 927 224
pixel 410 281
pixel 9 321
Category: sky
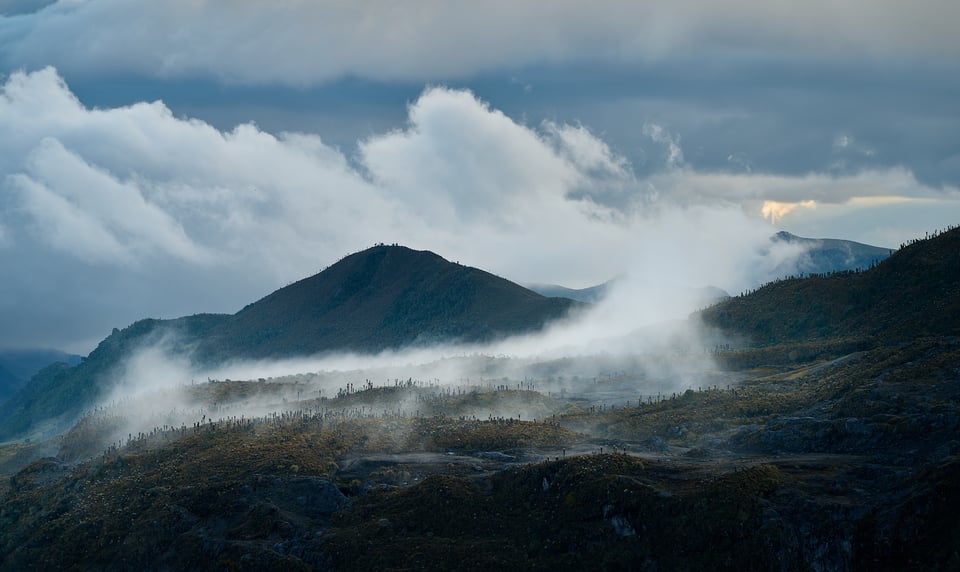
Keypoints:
pixel 159 159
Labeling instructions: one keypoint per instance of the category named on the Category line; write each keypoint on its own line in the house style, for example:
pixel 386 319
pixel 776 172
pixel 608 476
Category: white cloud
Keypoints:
pixel 64 226
pixel 84 210
pixel 170 213
pixel 459 159
pixel 302 42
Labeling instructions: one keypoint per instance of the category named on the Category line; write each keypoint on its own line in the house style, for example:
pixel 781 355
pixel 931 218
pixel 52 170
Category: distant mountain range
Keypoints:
pixel 18 366
pixel 591 295
pixel 820 256
pixel 386 297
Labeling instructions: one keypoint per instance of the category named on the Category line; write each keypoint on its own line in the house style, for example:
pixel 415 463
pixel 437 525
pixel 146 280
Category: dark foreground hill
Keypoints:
pixel 386 297
pixel 915 292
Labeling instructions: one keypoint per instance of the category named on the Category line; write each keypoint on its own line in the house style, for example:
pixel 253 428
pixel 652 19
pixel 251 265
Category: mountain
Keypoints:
pixel 841 462
pixel 9 383
pixel 591 294
pixel 58 393
pixel 18 366
pixel 914 292
pixel 386 297
pixel 826 255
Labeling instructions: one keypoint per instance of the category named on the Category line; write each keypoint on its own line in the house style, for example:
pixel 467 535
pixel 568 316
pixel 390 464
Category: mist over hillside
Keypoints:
pixel 380 299
pixel 598 347
pixel 797 423
pixel 813 256
pixel 914 292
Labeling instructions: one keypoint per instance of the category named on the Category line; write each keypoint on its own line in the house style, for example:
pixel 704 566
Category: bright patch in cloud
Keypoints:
pixel 774 211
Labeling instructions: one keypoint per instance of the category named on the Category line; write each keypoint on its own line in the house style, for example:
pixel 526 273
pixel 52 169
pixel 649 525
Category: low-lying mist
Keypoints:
pixel 636 345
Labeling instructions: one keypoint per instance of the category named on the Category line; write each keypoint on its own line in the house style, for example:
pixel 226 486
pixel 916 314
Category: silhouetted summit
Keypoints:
pixel 382 298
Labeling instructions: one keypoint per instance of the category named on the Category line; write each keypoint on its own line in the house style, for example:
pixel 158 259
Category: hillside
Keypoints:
pixel 9 383
pixel 18 366
pixel 382 298
pixel 826 255
pixel 385 297
pixel 915 292
pixel 771 457
pixel 58 393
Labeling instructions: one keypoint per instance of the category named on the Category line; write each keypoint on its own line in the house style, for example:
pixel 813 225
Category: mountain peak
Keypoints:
pixel 384 297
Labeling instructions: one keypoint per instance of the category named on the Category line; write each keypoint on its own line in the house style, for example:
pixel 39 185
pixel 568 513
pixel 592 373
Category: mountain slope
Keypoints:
pixel 382 298
pixel 9 383
pixel 18 366
pixel 915 292
pixel 25 363
pixel 57 394
pixel 825 255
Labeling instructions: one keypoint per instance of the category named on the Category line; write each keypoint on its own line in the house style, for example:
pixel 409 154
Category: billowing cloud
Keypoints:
pixel 85 211
pixel 303 42
pixel 110 215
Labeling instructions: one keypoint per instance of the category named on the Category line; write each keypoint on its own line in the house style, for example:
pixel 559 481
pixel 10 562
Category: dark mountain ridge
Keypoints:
pixel 385 297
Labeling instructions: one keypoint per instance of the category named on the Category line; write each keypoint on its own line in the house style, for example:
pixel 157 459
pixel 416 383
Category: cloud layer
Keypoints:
pixel 302 42
pixel 109 215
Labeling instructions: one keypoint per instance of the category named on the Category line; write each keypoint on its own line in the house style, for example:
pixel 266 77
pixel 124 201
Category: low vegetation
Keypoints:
pixel 830 442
